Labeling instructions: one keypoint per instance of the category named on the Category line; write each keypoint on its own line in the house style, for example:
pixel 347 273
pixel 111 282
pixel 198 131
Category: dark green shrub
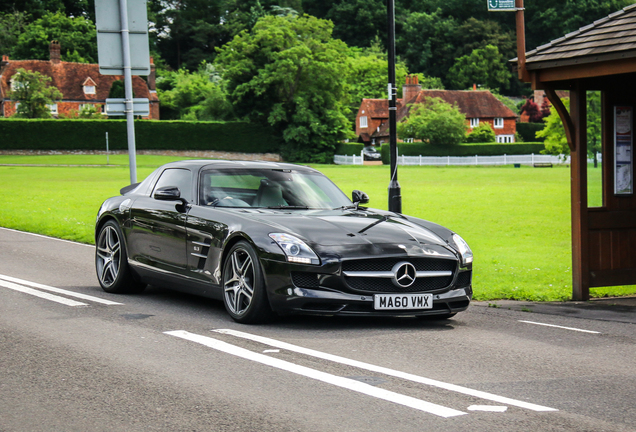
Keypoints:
pixel 45 134
pixel 349 149
pixel 528 130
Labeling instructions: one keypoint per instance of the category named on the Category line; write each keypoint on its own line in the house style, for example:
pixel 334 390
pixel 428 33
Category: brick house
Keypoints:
pixel 80 83
pixel 479 106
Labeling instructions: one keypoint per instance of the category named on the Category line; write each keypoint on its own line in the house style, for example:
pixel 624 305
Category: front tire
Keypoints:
pixel 111 262
pixel 244 292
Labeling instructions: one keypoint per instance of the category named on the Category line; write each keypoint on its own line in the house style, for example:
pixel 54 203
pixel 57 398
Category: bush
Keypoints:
pixel 528 130
pixel 51 134
pixel 481 134
pixel 490 149
pixel 349 149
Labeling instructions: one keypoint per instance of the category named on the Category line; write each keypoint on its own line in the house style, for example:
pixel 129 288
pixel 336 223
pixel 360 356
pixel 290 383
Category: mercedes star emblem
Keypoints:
pixel 404 274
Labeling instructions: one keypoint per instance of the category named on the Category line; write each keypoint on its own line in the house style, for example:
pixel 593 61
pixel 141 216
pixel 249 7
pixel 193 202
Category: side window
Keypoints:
pixel 179 177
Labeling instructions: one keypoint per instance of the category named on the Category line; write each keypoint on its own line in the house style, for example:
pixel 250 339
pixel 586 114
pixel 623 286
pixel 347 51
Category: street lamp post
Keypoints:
pixel 395 197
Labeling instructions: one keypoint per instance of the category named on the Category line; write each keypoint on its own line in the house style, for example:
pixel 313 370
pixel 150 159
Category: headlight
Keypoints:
pixel 464 250
pixel 295 249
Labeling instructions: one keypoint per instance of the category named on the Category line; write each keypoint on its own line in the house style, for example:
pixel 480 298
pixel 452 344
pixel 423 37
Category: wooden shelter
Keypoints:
pixel 598 57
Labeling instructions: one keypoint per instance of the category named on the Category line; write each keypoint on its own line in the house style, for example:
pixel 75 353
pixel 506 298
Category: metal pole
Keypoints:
pixel 130 119
pixel 107 154
pixel 395 197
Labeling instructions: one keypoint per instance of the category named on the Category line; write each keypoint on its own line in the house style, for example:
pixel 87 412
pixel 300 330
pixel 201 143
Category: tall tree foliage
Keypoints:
pixel 482 66
pixel 200 95
pixel 555 140
pixel 288 72
pixel 11 26
pixel 77 37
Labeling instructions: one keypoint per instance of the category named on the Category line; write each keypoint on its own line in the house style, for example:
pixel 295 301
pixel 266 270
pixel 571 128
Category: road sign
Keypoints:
pixel 117 107
pixel 109 37
pixel 501 6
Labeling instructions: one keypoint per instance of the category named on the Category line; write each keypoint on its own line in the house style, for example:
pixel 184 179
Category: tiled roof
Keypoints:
pixel 70 77
pixel 472 103
pixel 612 37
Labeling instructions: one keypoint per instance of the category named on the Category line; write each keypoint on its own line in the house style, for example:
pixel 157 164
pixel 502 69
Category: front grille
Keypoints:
pixel 386 285
pixel 305 280
pixel 386 264
pixel 374 284
pixel 463 279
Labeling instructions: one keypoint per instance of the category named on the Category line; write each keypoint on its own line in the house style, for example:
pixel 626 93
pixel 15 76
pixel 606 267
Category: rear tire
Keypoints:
pixel 111 262
pixel 244 294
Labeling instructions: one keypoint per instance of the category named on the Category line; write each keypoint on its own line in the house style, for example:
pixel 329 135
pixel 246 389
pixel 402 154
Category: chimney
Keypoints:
pixel 474 86
pixel 55 52
pixel 411 89
pixel 152 75
pixel 5 60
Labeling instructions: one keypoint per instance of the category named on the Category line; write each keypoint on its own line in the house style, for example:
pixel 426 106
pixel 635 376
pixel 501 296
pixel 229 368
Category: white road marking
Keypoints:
pixel 41 294
pixel 47 237
pixel 488 408
pixel 58 290
pixel 387 371
pixel 561 327
pixel 318 375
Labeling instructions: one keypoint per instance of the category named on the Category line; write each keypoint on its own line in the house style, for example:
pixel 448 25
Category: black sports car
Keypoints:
pixel 275 238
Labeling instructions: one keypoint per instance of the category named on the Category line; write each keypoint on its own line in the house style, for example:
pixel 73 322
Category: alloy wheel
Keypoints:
pixel 108 256
pixel 238 287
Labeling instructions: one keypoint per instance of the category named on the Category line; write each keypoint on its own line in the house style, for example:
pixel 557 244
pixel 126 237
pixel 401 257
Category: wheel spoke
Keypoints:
pixel 238 285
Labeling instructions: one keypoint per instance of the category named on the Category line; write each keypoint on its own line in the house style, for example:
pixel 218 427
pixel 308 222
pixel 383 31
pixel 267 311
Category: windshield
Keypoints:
pixel 269 188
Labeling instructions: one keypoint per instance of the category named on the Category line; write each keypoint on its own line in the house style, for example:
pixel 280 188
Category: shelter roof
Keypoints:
pixel 610 38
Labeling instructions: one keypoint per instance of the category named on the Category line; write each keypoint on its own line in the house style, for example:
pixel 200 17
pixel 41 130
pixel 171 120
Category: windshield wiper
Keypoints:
pixel 288 207
pixel 347 207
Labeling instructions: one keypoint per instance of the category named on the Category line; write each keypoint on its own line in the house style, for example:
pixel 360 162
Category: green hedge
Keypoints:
pixel 528 130
pixel 52 134
pixel 490 149
pixel 349 149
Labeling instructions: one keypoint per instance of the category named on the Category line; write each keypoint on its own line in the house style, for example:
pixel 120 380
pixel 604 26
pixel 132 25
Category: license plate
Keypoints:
pixel 402 301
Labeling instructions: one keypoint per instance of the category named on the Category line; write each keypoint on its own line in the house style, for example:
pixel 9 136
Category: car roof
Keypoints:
pixel 220 164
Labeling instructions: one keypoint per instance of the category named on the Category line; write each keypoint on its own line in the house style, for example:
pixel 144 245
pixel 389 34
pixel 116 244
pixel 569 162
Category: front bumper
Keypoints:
pixel 287 298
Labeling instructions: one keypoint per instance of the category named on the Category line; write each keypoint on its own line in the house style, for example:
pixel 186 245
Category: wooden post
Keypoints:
pixel 521 42
pixel 578 177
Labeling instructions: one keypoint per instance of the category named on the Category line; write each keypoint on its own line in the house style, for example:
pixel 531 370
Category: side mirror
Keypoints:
pixel 171 193
pixel 359 197
pixel 168 193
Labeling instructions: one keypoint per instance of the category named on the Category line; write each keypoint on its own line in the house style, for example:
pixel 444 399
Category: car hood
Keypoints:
pixel 364 231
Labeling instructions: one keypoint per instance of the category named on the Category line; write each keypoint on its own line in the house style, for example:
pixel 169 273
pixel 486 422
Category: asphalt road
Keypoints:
pixel 165 361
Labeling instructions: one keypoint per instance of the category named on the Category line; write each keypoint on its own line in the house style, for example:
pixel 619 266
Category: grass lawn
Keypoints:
pixel 517 220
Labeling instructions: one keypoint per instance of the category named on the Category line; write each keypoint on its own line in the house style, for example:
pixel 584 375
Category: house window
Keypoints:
pixel 499 123
pixel 505 139
pixel 474 122
pixel 53 108
pixel 89 89
pixel 363 122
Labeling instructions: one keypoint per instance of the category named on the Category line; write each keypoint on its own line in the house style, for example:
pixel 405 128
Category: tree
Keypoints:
pixel 483 66
pixel 32 91
pixel 555 140
pixel 367 77
pixel 481 134
pixel 434 121
pixel 11 25
pixel 291 74
pixel 200 95
pixel 77 38
pixel 531 109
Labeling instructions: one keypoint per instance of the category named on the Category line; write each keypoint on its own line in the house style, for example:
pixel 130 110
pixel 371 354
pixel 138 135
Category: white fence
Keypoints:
pixel 530 159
